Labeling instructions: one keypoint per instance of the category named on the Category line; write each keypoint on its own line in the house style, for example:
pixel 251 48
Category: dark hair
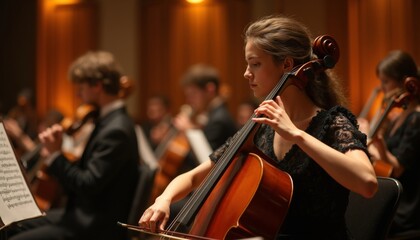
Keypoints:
pixel 398 65
pixel 200 75
pixel 163 99
pixel 283 37
pixel 27 93
pixel 97 67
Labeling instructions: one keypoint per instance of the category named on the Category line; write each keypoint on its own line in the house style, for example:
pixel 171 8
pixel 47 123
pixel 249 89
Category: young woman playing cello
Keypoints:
pixel 306 132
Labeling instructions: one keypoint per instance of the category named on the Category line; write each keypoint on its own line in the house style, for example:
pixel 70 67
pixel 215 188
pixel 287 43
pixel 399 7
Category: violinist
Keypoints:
pixel 101 185
pixel 159 119
pixel 78 130
pixel 25 142
pixel 308 132
pixel 397 142
pixel 205 110
pixel 201 85
pixel 24 113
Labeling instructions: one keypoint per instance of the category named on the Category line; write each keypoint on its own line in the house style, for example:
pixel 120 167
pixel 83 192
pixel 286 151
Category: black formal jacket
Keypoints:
pixel 220 126
pixel 101 185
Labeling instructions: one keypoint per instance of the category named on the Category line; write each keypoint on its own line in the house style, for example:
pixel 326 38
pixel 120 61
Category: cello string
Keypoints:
pixel 228 154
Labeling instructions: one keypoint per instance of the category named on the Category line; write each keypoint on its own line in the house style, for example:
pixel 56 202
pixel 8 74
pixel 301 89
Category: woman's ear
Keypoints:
pixel 288 64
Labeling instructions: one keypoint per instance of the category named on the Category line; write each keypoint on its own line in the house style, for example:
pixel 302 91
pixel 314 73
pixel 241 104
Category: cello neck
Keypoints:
pixel 374 130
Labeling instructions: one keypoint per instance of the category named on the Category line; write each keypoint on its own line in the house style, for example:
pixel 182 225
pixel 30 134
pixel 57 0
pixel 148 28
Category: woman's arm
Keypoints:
pixel 157 215
pixel 352 169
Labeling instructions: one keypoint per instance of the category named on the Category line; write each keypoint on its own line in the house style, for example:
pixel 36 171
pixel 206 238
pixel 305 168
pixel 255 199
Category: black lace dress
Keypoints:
pixel 319 203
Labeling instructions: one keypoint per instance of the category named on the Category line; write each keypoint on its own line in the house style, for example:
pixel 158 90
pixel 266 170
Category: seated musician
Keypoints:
pixel 101 185
pixel 397 143
pixel 28 147
pixel 201 85
pixel 159 118
pixel 205 110
pixel 306 131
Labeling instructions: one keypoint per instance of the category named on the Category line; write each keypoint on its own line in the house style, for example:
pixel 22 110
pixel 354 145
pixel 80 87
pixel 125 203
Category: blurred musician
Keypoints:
pixel 100 186
pixel 397 143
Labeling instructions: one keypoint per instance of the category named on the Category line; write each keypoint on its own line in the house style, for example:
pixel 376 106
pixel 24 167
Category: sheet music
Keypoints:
pixel 16 200
pixel 146 152
pixel 199 144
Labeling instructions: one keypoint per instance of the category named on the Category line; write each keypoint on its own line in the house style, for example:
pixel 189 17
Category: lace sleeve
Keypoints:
pixel 343 133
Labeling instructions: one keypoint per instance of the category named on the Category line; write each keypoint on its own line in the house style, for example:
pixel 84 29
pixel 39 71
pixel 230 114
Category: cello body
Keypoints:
pixel 169 163
pixel 238 206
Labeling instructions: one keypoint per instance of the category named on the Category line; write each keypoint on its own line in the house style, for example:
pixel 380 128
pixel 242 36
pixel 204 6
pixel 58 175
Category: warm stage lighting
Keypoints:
pixel 65 2
pixel 195 1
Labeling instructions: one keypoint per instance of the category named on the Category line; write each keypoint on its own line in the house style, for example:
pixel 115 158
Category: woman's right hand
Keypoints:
pixel 156 216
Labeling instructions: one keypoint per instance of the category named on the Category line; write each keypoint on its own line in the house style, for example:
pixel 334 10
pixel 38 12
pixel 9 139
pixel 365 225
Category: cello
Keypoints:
pixel 372 97
pixel 399 100
pixel 245 194
pixel 171 154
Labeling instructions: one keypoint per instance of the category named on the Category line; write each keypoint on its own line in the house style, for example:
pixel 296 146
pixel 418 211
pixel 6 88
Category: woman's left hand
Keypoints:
pixel 272 113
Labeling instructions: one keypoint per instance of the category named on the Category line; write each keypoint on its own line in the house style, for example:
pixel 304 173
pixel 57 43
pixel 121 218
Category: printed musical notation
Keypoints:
pixel 16 200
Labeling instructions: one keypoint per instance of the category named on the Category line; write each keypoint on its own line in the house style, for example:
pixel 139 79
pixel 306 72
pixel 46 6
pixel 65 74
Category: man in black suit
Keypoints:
pixel 201 85
pixel 100 187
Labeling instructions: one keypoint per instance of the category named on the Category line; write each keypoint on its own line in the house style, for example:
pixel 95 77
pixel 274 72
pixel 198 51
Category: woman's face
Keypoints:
pixel 388 84
pixel 261 71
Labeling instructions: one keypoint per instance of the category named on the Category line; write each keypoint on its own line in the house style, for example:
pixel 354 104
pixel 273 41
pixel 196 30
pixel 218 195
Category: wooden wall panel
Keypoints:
pixel 176 35
pixel 65 32
pixel 367 30
pixel 375 28
pixel 415 33
pixel 17 48
pixel 336 26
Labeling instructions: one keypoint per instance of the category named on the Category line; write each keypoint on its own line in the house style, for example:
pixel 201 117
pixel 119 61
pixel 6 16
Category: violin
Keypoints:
pixel 46 189
pixel 372 97
pixel 400 99
pixel 245 195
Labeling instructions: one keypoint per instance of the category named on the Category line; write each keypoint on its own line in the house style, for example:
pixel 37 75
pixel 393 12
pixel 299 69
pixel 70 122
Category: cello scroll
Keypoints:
pixel 327 51
pixel 411 86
